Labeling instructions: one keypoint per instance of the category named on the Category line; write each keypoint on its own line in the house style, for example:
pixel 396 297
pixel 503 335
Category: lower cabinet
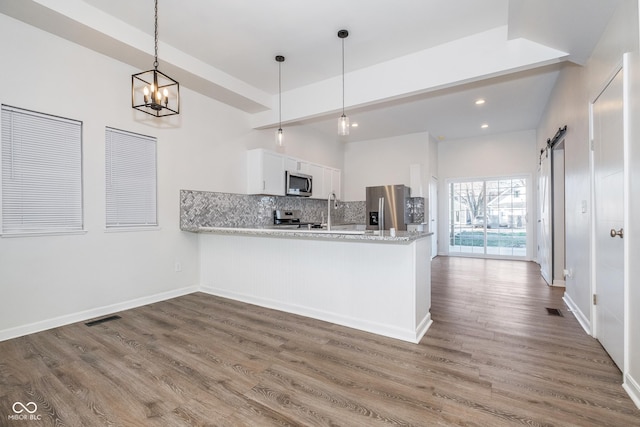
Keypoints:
pixel 390 298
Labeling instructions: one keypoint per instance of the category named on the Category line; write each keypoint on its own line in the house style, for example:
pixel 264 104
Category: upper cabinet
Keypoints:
pixel 317 172
pixel 266 174
pixel 325 179
pixel 292 164
pixel 332 179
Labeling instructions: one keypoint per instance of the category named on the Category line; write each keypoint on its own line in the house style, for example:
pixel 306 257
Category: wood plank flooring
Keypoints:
pixel 493 357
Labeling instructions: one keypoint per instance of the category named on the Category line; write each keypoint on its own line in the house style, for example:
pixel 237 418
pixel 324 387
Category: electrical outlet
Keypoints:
pixel 178 267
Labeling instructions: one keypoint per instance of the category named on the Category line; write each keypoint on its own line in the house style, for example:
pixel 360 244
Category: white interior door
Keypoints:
pixel 433 215
pixel 608 140
pixel 558 214
pixel 544 220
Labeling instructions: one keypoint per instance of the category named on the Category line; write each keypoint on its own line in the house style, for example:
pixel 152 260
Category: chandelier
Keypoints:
pixel 153 92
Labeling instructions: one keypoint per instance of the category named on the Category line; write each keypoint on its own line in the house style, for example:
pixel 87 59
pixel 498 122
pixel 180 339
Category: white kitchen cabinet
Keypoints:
pixel 265 172
pixel 304 167
pixel 390 298
pixel 292 164
pixel 327 185
pixel 332 181
pixel 325 179
pixel 317 172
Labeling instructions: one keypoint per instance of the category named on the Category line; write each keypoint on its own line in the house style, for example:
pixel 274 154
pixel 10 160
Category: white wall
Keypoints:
pixel 433 157
pixel 632 234
pixel 576 87
pixel 306 143
pixel 384 161
pixel 569 106
pixel 486 157
pixel 50 280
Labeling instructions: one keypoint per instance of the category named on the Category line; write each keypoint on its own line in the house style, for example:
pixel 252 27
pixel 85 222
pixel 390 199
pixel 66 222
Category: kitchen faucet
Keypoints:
pixel 335 206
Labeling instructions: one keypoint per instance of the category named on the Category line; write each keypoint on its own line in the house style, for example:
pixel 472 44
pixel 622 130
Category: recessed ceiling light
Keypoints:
pixel 484 126
pixel 480 101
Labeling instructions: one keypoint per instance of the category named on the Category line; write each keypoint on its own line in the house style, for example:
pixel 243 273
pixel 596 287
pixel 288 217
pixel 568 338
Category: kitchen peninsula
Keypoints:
pixel 376 283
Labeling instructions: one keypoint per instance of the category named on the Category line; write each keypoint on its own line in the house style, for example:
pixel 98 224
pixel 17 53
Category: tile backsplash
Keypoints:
pixel 212 209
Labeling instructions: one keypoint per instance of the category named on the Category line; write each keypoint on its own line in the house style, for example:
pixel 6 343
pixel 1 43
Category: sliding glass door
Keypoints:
pixel 488 217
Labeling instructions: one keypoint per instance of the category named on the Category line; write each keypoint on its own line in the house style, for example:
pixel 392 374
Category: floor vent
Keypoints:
pixel 554 312
pixel 104 319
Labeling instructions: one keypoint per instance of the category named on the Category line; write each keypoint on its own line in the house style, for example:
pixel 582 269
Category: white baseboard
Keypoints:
pixel 559 283
pixel 56 322
pixel 423 327
pixel 579 315
pixel 380 329
pixel 338 319
pixel 632 388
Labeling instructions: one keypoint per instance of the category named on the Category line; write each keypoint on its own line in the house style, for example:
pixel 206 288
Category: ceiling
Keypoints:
pixel 410 65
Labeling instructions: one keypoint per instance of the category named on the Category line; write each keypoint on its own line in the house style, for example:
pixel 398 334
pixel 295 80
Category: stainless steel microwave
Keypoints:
pixel 298 184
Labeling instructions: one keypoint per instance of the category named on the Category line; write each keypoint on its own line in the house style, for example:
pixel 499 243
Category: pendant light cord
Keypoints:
pixel 343 76
pixel 280 94
pixel 343 34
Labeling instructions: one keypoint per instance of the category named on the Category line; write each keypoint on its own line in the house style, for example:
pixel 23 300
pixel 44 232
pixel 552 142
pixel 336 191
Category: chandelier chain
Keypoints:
pixel 155 63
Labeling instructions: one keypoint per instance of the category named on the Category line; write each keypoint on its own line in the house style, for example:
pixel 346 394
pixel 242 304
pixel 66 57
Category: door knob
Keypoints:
pixel 614 233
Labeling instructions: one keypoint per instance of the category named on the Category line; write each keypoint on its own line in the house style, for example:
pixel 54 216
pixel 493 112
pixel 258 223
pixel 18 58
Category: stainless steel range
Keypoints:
pixel 291 219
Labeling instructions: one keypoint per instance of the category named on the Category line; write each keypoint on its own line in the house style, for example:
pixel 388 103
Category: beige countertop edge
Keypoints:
pixel 400 237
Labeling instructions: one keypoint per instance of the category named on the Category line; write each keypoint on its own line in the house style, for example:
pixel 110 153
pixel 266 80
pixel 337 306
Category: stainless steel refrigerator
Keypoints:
pixel 387 207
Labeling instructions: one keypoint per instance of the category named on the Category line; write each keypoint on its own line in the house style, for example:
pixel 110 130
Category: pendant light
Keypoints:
pixel 279 136
pixel 153 92
pixel 343 121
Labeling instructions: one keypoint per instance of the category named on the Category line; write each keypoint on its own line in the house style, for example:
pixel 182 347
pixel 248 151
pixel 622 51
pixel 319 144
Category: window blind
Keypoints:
pixel 41 173
pixel 131 186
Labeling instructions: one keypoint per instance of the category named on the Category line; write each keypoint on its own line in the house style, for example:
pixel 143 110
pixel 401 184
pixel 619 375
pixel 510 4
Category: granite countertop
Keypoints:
pixel 316 234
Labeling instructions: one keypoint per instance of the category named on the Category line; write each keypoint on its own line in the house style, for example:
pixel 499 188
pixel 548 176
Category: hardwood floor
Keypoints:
pixel 493 357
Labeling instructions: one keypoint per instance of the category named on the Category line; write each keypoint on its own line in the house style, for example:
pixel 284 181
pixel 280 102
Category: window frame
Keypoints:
pixel 485 252
pixel 124 224
pixel 73 220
